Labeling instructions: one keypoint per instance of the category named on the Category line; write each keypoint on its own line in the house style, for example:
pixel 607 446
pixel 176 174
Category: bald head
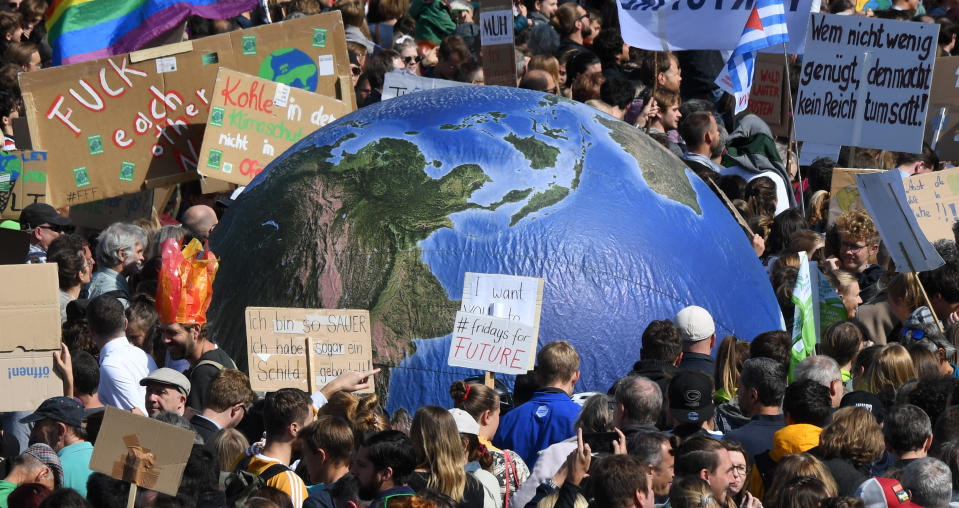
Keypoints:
pixel 538 80
pixel 200 220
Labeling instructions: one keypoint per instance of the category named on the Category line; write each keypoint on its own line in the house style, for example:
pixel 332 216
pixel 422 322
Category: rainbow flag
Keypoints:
pixel 81 30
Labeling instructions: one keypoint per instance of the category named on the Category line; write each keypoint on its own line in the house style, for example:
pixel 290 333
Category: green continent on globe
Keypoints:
pixel 658 171
pixel 540 200
pixel 379 202
pixel 512 196
pixel 538 153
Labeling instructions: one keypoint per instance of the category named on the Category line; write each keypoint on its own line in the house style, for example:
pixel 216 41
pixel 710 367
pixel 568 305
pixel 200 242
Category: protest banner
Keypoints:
pixel 827 304
pixel 885 198
pixel 492 344
pixel 30 313
pixel 100 214
pixel 400 82
pixel 145 452
pixel 843 192
pixel 804 320
pixel 942 119
pixel 812 151
pixel 521 298
pixel 496 35
pixel 676 25
pixel 305 348
pixel 130 121
pixel 934 199
pixel 865 82
pixel 23 181
pixel 767 99
pixel 254 120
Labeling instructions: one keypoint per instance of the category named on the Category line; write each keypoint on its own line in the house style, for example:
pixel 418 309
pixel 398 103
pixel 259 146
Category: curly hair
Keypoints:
pixel 853 434
pixel 857 226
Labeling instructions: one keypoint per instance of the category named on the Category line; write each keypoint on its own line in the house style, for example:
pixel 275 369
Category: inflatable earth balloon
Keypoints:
pixel 291 67
pixel 387 208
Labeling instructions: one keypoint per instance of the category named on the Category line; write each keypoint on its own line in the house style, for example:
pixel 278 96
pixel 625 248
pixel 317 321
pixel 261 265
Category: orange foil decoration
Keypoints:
pixel 185 286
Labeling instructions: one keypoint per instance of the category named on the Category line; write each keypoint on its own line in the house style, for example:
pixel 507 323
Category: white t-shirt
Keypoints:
pixel 122 366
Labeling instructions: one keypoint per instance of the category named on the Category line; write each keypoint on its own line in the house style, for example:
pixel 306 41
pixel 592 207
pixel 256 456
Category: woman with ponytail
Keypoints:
pixel 483 404
pixel 441 460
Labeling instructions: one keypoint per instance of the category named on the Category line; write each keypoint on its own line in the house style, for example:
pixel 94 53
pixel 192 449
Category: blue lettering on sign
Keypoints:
pixel 34 372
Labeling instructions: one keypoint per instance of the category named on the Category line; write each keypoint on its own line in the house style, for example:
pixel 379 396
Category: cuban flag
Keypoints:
pixel 765 26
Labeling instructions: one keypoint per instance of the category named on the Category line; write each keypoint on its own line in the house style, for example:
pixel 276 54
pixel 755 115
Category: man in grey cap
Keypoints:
pixel 167 390
pixel 58 423
pixel 39 464
pixel 699 336
pixel 44 225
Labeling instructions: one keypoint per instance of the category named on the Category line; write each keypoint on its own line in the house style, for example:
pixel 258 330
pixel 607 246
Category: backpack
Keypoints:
pixel 241 484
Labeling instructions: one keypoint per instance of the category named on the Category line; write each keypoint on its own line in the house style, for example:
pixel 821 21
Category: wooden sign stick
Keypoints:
pixel 309 367
pixel 132 497
pixel 922 288
pixel 489 379
pixel 732 209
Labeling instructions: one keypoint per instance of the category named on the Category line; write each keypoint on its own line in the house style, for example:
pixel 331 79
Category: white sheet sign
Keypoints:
pixel 496 27
pixel 694 24
pixel 493 344
pixel 400 82
pixel 865 82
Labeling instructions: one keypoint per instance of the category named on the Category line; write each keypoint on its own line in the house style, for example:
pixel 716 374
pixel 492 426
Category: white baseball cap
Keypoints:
pixel 465 424
pixel 695 324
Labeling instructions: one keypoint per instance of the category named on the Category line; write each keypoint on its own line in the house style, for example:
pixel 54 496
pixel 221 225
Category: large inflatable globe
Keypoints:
pixel 387 208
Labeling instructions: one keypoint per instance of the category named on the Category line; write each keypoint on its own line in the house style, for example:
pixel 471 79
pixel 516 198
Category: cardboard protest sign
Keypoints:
pixel 885 198
pixel 30 313
pixel 767 99
pixel 134 120
pixel 148 453
pixel 521 298
pixel 843 192
pixel 691 24
pixel 285 346
pixel 934 199
pixel 23 181
pixel 102 213
pixel 942 118
pixel 400 82
pixel 496 35
pixel 253 120
pixel 865 82
pixel 492 344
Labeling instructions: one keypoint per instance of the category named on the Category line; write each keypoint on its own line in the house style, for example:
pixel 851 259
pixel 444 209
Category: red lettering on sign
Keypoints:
pixel 252 99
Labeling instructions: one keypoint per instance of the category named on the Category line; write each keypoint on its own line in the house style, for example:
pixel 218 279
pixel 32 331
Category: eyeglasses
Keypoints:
pixel 410 60
pixel 739 470
pixel 916 333
pixel 851 247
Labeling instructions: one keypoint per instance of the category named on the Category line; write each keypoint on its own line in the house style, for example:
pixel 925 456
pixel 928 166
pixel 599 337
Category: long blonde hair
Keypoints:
pixel 439 450
pixel 794 466
pixel 891 369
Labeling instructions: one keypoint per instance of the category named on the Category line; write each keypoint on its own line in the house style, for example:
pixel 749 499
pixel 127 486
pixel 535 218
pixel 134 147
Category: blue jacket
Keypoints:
pixel 545 419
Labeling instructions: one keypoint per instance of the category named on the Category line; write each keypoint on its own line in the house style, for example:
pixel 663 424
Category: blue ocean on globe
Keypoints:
pixel 387 208
pixel 292 67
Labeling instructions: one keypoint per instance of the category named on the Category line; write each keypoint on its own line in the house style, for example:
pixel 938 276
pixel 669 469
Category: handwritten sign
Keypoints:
pixel 143 451
pixel 286 346
pixel 521 298
pixel 766 97
pixel 253 120
pixel 494 344
pixel 885 199
pixel 23 181
pixel 400 82
pixel 133 120
pixel 942 119
pixel 496 35
pixel 865 82
pixel 102 213
pixel 934 200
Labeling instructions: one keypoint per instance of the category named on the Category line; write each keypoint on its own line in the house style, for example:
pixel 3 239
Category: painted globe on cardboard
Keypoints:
pixel 387 208
pixel 291 67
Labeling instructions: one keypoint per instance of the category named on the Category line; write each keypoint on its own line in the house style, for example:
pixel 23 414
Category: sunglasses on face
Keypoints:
pixel 410 60
pixel 355 70
pixel 57 228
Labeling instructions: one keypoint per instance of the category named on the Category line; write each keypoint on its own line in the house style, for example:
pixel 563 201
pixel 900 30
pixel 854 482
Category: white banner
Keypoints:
pixel 702 24
pixel 402 82
pixel 865 82
pixel 496 27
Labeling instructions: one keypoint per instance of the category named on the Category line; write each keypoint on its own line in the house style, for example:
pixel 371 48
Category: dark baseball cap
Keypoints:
pixel 867 400
pixel 691 397
pixel 61 409
pixel 39 213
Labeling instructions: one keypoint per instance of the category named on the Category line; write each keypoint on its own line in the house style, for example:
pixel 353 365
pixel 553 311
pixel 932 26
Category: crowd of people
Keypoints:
pixel 700 421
